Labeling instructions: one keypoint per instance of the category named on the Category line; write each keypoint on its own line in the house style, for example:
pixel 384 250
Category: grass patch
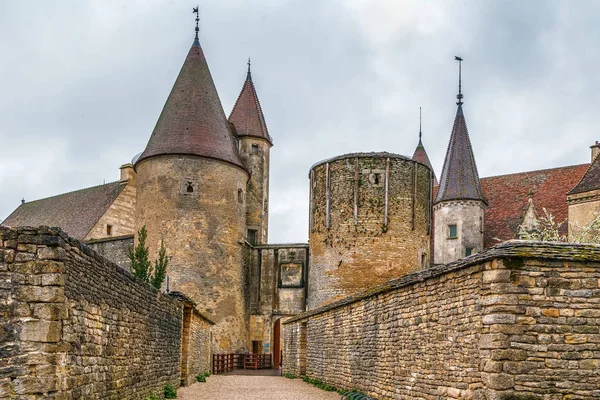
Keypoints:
pixel 169 391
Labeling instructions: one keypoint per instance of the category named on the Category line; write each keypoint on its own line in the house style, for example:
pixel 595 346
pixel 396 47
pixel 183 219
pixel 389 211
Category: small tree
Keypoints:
pixel 160 267
pixel 139 257
pixel 140 261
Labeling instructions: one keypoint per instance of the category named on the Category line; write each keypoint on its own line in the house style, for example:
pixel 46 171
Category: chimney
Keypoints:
pixel 127 174
pixel 23 200
pixel 595 150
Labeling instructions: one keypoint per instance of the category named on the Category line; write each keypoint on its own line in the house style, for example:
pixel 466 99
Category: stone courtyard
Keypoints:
pixel 236 387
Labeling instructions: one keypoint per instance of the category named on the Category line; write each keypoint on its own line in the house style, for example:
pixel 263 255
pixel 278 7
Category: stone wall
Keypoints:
pixel 114 249
pixel 76 325
pixel 518 321
pixel 370 217
pixel 120 216
pixel 583 208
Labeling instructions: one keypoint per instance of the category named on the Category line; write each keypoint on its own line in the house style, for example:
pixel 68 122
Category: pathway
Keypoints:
pixel 238 387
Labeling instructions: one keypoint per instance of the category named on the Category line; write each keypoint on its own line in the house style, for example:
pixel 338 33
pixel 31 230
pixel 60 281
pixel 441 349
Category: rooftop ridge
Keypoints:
pixel 535 170
pixel 71 192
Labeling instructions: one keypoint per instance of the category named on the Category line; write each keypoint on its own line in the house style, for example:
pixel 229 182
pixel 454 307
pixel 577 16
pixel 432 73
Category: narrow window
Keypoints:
pixel 109 230
pixel 240 196
pixel 468 251
pixel 452 232
pixel 190 187
pixel 252 236
pixel 254 149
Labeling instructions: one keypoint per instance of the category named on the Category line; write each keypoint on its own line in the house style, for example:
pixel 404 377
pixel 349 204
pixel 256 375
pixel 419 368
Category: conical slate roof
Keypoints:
pixel 421 156
pixel 192 121
pixel 459 180
pixel 247 115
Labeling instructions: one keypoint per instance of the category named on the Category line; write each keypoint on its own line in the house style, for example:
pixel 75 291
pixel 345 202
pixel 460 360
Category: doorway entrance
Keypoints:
pixel 277 344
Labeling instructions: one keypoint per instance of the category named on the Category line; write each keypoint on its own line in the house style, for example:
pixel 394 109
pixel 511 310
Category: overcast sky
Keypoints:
pixel 83 82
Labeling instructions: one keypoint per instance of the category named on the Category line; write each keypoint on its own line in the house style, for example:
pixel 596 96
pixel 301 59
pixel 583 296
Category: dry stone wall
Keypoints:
pixel 75 325
pixel 114 249
pixel 518 321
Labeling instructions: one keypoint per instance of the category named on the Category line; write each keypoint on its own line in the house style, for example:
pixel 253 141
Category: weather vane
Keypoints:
pixel 248 76
pixel 459 96
pixel 419 124
pixel 197 19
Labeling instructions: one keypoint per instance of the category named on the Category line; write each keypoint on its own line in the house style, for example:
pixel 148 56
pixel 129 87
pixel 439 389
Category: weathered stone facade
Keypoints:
pixel 255 154
pixel 370 221
pixel 518 321
pixel 192 204
pixel 115 249
pixel 467 218
pixel 583 209
pixel 75 325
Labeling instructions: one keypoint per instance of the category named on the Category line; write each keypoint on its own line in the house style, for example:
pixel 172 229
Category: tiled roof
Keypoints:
pixel 76 212
pixel 192 121
pixel 459 179
pixel 508 198
pixel 247 115
pixel 590 180
pixel 420 155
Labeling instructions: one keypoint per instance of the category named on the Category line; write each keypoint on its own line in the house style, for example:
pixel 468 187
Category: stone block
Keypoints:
pixel 499 319
pixel 40 294
pixel 498 381
pixel 49 311
pixel 51 253
pixel 496 276
pixel 41 331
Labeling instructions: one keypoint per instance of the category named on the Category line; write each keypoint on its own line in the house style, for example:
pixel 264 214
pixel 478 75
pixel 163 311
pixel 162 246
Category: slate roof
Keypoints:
pixel 508 198
pixel 247 115
pixel 420 155
pixel 75 213
pixel 590 180
pixel 192 121
pixel 459 179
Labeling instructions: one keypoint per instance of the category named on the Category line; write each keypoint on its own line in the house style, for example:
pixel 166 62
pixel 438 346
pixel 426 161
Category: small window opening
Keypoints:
pixel 190 188
pixel 468 251
pixel 452 231
pixel 376 179
pixel 240 196
pixel 254 149
pixel 252 236
pixel 109 230
pixel 423 260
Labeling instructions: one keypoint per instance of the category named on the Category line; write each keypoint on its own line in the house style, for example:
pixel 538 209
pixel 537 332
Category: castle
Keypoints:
pixel 202 186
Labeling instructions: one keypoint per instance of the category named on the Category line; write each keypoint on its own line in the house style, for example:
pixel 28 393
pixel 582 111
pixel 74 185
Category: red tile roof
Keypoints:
pixel 247 115
pixel 459 179
pixel 75 212
pixel 507 197
pixel 192 121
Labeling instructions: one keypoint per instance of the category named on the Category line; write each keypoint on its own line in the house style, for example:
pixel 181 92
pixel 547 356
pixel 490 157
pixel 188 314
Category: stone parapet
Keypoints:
pixel 520 320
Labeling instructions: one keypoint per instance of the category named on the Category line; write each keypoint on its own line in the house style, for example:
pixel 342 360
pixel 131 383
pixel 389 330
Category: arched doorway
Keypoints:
pixel 277 344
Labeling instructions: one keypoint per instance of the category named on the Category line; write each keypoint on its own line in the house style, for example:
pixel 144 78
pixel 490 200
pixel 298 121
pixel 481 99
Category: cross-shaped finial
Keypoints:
pixel 248 77
pixel 459 96
pixel 197 19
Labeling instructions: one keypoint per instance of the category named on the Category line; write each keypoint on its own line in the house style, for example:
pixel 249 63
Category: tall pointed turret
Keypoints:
pixel 191 196
pixel 420 155
pixel 458 207
pixel 255 148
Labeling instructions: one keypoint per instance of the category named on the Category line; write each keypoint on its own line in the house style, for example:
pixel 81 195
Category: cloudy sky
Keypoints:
pixel 83 82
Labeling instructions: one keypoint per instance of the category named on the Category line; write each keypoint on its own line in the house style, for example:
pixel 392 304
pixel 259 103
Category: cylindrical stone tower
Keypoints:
pixel 370 221
pixel 191 187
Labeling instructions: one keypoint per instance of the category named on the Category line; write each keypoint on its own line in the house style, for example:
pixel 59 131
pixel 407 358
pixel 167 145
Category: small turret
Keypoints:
pixel 420 155
pixel 459 205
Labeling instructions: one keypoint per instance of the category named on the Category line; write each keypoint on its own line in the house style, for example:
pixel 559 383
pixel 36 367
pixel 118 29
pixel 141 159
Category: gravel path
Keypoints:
pixel 237 387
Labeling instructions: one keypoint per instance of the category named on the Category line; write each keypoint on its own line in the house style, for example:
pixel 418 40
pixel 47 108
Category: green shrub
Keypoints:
pixel 153 396
pixel 169 392
pixel 289 376
pixel 320 384
pixel 200 378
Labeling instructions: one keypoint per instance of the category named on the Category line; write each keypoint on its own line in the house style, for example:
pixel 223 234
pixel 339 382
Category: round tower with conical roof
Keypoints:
pixel 191 185
pixel 458 209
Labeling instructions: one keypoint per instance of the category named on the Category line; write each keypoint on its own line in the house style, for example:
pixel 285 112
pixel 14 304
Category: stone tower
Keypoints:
pixel 191 185
pixel 370 221
pixel 459 205
pixel 255 145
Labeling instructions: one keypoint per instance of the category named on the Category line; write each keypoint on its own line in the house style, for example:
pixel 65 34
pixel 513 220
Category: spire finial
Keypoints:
pixel 459 96
pixel 197 19
pixel 420 133
pixel 248 77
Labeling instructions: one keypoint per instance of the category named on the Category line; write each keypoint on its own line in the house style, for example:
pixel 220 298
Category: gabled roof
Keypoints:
pixel 420 155
pixel 590 180
pixel 247 115
pixel 192 121
pixel 459 179
pixel 76 212
pixel 508 199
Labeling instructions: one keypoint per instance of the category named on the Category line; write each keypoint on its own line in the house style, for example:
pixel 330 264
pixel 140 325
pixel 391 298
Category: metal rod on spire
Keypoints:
pixel 420 125
pixel 197 19
pixel 459 96
pixel 248 77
